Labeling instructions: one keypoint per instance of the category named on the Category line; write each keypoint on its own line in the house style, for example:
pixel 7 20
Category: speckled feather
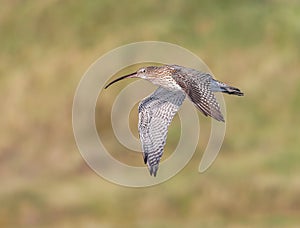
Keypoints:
pixel 155 115
pixel 197 86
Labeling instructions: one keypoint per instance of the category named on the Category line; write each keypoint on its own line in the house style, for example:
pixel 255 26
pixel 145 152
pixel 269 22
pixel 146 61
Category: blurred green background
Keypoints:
pixel 46 46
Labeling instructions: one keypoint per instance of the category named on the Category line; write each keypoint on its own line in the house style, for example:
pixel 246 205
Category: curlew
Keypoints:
pixel 157 110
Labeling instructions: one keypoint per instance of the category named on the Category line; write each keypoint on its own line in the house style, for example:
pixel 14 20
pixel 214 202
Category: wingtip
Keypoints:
pixel 217 116
pixel 153 170
pixel 222 120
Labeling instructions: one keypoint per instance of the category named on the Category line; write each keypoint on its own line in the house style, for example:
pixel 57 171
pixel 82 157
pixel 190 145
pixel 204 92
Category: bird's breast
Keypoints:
pixel 167 82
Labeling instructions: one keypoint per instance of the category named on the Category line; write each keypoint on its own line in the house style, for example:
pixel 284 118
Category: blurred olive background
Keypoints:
pixel 46 46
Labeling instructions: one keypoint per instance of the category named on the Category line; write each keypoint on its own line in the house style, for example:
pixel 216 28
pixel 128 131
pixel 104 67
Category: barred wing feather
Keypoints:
pixel 155 115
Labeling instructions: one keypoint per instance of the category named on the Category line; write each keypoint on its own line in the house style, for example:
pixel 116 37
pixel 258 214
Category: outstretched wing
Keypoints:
pixel 205 100
pixel 197 86
pixel 155 114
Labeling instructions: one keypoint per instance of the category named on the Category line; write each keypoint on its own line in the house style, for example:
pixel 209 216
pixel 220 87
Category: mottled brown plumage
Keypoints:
pixel 157 110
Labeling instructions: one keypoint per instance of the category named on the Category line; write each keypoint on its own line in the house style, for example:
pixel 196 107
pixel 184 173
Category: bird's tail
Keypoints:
pixel 222 87
pixel 232 90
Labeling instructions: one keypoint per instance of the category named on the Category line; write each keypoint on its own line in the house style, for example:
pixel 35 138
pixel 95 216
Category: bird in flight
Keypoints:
pixel 157 110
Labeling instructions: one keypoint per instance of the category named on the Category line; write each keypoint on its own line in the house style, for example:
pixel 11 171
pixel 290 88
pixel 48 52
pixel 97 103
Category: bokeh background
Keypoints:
pixel 46 46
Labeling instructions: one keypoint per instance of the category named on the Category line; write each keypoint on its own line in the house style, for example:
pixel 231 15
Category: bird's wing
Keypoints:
pixel 155 114
pixel 197 87
pixel 205 100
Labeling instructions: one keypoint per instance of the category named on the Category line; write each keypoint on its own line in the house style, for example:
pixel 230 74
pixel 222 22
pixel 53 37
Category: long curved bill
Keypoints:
pixel 132 75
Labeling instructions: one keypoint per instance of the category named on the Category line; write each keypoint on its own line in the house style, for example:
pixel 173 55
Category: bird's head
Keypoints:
pixel 144 73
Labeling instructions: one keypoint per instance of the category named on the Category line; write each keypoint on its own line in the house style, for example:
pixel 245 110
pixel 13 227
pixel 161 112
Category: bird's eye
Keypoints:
pixel 143 70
